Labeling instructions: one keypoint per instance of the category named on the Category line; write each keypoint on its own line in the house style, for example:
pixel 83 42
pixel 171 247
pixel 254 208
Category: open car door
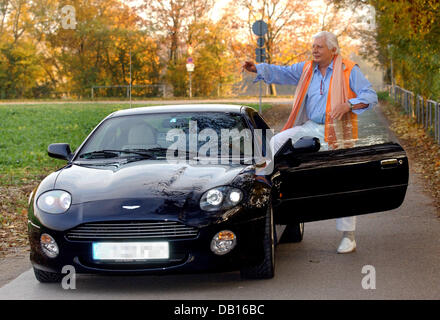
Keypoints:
pixel 337 183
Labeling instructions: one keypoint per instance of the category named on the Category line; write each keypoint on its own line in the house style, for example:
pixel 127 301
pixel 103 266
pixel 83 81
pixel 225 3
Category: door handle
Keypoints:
pixel 390 163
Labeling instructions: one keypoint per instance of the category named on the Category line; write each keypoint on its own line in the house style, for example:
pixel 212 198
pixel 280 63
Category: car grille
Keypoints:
pixel 132 230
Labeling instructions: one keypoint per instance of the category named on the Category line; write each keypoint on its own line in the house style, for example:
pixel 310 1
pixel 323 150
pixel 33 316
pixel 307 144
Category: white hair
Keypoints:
pixel 330 39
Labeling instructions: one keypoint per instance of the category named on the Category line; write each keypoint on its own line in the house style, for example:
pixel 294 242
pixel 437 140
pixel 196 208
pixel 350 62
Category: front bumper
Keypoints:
pixel 186 255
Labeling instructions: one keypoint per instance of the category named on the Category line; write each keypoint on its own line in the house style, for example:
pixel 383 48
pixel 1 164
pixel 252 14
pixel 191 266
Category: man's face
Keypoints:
pixel 321 53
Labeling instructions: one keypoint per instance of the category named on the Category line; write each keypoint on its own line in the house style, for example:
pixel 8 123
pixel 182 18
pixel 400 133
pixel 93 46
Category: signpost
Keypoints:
pixel 391 65
pixel 190 68
pixel 260 29
pixel 130 78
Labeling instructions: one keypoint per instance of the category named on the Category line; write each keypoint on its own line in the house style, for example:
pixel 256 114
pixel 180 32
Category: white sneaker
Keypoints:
pixel 347 245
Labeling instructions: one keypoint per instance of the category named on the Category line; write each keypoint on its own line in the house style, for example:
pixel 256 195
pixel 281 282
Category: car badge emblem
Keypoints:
pixel 130 207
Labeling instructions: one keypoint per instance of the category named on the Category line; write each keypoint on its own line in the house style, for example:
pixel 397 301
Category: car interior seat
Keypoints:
pixel 141 136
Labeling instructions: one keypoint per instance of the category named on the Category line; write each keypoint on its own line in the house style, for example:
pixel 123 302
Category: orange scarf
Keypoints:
pixel 338 133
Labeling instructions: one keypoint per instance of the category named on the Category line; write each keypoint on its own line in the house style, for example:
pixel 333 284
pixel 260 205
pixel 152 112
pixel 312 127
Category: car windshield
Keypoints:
pixel 161 135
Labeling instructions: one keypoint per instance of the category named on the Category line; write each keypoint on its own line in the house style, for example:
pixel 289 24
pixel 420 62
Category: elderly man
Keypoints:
pixel 331 92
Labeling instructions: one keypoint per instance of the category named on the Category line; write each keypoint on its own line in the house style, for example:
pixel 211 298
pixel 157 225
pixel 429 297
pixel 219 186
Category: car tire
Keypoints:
pixel 266 268
pixel 293 233
pixel 47 277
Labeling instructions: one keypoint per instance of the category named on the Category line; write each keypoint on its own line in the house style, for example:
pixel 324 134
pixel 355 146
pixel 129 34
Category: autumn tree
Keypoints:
pixel 96 51
pixel 20 69
pixel 171 21
pixel 216 66
pixel 38 55
pixel 407 32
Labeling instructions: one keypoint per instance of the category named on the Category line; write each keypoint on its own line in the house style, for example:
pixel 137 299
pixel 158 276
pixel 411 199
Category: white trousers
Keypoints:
pixel 312 129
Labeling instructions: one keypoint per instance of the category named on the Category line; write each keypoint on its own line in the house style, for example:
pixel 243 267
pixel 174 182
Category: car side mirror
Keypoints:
pixel 303 145
pixel 60 151
pixel 285 156
pixel 306 145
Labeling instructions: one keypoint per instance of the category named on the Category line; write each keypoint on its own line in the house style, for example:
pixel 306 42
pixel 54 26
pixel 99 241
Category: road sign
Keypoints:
pixel 190 67
pixel 260 59
pixel 260 55
pixel 260 51
pixel 259 28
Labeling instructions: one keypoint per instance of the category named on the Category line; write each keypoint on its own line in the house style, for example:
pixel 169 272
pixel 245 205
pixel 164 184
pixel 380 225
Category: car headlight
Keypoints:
pixel 220 198
pixel 55 201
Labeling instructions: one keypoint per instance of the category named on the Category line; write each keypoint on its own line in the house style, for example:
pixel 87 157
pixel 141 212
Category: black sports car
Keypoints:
pixel 134 199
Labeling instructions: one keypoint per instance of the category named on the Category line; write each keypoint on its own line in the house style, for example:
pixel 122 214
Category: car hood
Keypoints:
pixel 142 180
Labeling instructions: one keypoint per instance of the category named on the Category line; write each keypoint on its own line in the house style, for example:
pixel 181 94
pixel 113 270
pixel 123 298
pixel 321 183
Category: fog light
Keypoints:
pixel 49 246
pixel 223 242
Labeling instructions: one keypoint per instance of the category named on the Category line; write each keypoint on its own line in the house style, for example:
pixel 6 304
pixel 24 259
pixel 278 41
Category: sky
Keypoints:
pixel 217 10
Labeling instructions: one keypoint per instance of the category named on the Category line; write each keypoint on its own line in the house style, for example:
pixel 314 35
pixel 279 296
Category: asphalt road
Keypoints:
pixel 403 246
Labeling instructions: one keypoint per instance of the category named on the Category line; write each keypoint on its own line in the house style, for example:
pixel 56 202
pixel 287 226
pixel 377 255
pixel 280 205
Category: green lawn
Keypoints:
pixel 27 130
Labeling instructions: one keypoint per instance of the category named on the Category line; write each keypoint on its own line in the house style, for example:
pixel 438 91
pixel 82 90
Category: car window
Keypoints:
pixel 373 129
pixel 149 131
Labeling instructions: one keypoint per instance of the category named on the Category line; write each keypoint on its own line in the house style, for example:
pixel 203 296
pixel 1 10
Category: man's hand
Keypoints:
pixel 249 66
pixel 339 111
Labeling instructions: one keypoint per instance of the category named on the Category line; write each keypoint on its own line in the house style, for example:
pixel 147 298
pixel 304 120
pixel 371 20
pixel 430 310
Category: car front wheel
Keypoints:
pixel 266 268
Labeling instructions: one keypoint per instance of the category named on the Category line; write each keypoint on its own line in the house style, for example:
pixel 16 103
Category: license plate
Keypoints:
pixel 129 251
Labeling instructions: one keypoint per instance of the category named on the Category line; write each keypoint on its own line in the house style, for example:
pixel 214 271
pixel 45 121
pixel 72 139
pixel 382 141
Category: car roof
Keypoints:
pixel 181 108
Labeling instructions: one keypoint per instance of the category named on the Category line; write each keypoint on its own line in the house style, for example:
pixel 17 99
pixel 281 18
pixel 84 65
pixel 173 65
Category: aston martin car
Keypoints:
pixel 195 188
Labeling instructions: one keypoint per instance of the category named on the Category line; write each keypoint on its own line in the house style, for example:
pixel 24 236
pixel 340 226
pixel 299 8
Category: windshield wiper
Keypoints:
pixel 149 150
pixel 99 154
pixel 144 153
pixel 164 150
pixel 115 153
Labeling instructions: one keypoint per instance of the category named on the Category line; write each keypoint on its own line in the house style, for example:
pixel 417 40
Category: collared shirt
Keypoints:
pixel 316 97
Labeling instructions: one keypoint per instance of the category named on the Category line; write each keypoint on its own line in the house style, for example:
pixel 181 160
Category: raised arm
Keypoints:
pixel 271 73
